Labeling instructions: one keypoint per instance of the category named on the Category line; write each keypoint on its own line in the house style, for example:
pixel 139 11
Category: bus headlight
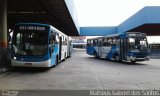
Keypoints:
pixel 14 58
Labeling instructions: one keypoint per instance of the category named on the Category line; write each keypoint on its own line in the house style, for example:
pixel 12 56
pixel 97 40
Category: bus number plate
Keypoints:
pixel 28 64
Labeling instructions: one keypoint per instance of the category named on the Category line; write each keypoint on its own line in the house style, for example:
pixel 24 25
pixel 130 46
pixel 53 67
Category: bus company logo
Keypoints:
pixel 38 28
pixel 9 93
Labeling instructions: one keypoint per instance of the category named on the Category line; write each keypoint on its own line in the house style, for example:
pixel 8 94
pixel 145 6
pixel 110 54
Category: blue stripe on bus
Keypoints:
pixel 111 53
pixel 90 50
pixel 31 58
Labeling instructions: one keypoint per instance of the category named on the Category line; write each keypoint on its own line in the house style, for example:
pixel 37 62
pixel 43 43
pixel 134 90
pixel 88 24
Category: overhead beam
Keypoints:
pixel 53 12
pixel 146 16
pixel 147 20
pixel 97 31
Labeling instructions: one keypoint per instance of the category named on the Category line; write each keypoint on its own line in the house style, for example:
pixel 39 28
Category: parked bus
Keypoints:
pixel 130 46
pixel 38 45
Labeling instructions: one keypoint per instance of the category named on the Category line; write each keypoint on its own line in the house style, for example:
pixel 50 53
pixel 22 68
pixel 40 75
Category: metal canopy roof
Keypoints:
pixel 146 20
pixel 53 12
pixel 149 29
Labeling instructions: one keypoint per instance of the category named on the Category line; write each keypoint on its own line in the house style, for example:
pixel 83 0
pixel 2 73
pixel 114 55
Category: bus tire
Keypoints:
pixel 56 60
pixel 95 55
pixel 133 62
pixel 116 58
pixel 64 56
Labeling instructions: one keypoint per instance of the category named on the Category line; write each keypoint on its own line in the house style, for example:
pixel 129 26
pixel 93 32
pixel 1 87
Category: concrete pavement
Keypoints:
pixel 83 72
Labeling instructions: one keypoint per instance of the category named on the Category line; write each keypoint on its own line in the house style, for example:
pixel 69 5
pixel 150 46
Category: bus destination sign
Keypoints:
pixel 33 28
pixel 136 35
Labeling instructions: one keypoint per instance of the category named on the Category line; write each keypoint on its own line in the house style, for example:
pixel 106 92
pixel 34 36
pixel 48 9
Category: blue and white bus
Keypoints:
pixel 130 46
pixel 38 45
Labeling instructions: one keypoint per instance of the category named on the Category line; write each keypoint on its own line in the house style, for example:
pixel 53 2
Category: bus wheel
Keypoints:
pixel 56 60
pixel 64 56
pixel 95 55
pixel 133 62
pixel 116 57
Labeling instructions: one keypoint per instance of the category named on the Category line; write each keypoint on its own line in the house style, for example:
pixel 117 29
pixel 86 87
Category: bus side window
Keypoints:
pixel 105 42
pixel 94 42
pixel 115 41
pixel 109 42
pixel 57 38
pixel 91 44
pixel 62 40
pixel 65 41
pixel 52 38
pixel 88 42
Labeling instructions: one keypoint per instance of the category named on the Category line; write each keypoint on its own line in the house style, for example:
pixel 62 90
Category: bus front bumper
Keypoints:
pixel 30 64
pixel 133 58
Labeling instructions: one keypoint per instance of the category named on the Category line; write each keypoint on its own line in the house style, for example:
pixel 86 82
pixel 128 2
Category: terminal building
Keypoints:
pixel 79 41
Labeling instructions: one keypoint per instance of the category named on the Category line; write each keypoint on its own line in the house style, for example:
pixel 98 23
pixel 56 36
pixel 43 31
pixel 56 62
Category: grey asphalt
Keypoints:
pixel 83 72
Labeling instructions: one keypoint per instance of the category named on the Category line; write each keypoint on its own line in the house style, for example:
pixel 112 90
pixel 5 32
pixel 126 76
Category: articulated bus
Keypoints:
pixel 38 45
pixel 129 46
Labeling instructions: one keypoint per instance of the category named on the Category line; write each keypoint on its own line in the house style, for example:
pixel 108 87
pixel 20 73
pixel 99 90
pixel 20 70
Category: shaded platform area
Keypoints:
pixel 58 13
pixel 54 12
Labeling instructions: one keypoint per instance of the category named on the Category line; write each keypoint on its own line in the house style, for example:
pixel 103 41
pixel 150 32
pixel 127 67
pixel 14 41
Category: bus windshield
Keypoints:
pixel 30 43
pixel 138 44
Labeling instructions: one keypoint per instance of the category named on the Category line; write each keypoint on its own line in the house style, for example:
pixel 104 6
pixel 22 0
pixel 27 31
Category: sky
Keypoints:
pixel 110 12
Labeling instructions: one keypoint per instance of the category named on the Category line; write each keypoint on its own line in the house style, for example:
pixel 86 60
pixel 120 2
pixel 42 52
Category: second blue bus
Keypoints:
pixel 130 46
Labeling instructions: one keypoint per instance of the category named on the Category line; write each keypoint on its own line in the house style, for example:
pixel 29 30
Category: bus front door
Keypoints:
pixel 60 47
pixel 123 49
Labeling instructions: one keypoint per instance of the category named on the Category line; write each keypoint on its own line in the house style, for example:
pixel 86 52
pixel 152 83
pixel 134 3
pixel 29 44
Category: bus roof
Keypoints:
pixel 32 24
pixel 53 28
pixel 116 35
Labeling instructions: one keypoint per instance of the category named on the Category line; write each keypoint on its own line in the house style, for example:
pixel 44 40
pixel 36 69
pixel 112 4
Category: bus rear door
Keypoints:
pixel 100 47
